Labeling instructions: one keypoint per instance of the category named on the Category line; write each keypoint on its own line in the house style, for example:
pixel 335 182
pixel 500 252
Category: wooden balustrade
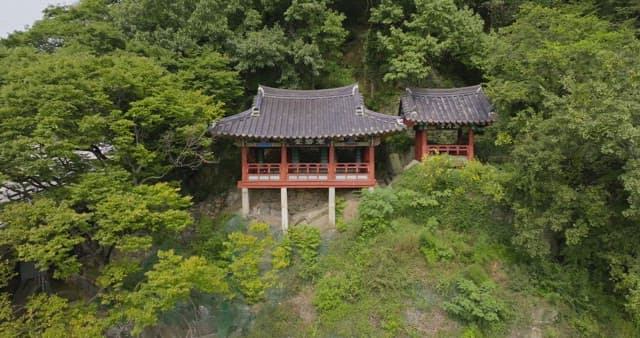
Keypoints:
pixel 308 168
pixel 356 168
pixel 451 149
pixel 269 171
pixel 307 175
pixel 263 168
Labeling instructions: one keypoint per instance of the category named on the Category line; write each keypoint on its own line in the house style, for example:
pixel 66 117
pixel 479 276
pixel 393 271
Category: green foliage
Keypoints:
pixel 46 233
pixel 6 273
pixel 290 43
pixel 333 290
pixel 146 77
pixel 132 221
pixel 209 237
pixel 416 42
pixel 74 101
pixel 170 281
pixel 567 91
pixel 433 249
pixel 341 203
pixel 306 241
pixel 246 253
pixel 341 225
pixel 476 303
pixel 376 211
pixel 438 192
pixel 400 143
pixel 50 316
pixel 472 332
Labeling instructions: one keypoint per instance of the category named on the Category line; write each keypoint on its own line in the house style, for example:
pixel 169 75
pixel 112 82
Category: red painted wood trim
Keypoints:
pixel 306 184
pixel 471 142
pixel 283 162
pixel 245 168
pixel 332 161
pixel 372 166
pixel 418 145
pixel 425 144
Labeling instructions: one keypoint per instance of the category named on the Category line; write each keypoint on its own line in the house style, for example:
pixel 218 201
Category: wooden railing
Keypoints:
pixel 263 168
pixel 268 169
pixel 307 168
pixel 356 168
pixel 451 149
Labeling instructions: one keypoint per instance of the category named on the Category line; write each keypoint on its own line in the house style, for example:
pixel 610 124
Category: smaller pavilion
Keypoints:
pixel 461 109
pixel 306 139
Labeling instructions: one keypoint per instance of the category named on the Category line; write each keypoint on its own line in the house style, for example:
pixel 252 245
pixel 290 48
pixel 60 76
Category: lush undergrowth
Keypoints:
pixel 431 257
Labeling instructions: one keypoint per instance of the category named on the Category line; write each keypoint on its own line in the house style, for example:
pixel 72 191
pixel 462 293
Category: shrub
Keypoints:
pixel 333 290
pixel 477 274
pixel 476 303
pixel 306 241
pixel 464 197
pixel 341 225
pixel 245 253
pixel 433 249
pixel 376 211
pixel 472 332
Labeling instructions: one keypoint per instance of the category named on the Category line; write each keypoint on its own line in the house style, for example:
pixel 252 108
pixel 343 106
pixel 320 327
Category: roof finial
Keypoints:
pixel 355 88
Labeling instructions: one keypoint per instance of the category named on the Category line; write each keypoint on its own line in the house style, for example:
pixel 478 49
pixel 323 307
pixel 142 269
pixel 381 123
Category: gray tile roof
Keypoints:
pixel 456 106
pixel 285 114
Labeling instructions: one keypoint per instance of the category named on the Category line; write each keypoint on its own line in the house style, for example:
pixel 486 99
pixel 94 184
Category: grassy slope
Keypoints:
pixel 394 285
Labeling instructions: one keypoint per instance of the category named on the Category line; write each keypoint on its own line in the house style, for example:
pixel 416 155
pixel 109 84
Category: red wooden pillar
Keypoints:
pixel 372 167
pixel 425 144
pixel 418 145
pixel 470 150
pixel 332 161
pixel 421 144
pixel 244 156
pixel 283 162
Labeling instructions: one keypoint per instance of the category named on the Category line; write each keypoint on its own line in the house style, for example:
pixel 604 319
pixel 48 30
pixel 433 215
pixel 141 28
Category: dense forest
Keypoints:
pixel 104 153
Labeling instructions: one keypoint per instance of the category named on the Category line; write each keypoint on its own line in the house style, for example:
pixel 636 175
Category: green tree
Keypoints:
pixel 87 25
pixel 246 253
pixel 171 281
pixel 46 233
pixel 566 86
pixel 419 39
pixel 54 106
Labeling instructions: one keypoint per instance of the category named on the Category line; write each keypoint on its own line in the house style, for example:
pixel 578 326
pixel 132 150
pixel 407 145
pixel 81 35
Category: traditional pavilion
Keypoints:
pixel 462 109
pixel 306 139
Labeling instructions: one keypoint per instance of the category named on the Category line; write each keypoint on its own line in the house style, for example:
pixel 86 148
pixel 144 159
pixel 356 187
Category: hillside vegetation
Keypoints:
pixel 116 189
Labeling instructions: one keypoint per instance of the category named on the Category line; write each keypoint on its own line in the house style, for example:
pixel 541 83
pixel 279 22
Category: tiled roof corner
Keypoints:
pixel 457 106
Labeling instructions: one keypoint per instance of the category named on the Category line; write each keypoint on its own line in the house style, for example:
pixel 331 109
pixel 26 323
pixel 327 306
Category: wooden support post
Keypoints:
pixel 418 145
pixel 425 144
pixel 332 206
pixel 284 204
pixel 284 166
pixel 471 141
pixel 245 202
pixel 245 167
pixel 332 161
pixel 372 166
